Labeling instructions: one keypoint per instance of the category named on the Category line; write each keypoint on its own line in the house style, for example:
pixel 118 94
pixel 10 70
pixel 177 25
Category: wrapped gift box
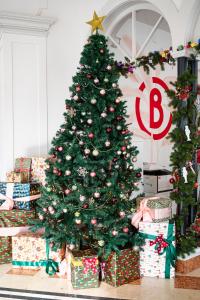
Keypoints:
pixel 84 269
pixel 13 177
pixel 39 166
pixel 23 166
pixel 121 268
pixel 11 223
pixel 158 256
pixel 31 251
pixel 23 194
pixel 157 181
pixel 152 209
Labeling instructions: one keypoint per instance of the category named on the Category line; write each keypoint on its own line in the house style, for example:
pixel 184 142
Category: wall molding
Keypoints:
pixel 21 23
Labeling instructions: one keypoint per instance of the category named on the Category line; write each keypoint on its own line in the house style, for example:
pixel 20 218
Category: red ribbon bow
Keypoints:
pixel 160 243
pixel 90 263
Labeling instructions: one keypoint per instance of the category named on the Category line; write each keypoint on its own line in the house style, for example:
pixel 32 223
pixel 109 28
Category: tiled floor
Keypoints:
pixel 150 289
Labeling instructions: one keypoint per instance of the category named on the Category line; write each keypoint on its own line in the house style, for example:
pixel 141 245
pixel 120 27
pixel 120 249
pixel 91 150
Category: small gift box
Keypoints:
pixel 23 166
pixel 18 195
pixel 11 223
pixel 152 209
pixel 157 259
pixel 121 268
pixel 31 251
pixel 84 269
pixel 39 166
pixel 13 177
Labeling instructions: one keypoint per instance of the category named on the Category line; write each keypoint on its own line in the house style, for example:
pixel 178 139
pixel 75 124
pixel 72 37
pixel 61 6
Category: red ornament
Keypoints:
pixel 89 76
pixel 91 135
pixel 67 192
pixel 123 148
pixel 101 50
pixel 138 175
pixel 85 205
pixel 93 221
pixel 59 173
pixel 172 180
pixel 119 118
pixel 111 109
pixel 196 185
pixel 125 229
pixel 109 129
pixel 78 88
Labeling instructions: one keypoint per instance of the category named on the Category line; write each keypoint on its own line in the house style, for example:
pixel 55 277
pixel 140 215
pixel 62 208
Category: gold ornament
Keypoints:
pixel 96 22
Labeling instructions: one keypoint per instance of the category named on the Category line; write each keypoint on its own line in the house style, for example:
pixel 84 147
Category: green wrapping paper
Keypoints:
pixel 122 268
pixel 84 269
pixel 11 218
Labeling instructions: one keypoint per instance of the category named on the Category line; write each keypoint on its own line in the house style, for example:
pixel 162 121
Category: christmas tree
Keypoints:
pixel 86 201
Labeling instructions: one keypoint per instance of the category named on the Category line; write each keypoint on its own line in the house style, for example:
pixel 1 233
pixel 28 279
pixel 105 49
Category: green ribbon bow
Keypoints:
pixel 50 264
pixel 170 250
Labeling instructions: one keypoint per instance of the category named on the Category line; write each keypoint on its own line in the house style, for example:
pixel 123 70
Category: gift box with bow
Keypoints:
pixel 11 223
pixel 31 251
pixel 121 268
pixel 157 258
pixel 39 166
pixel 152 209
pixel 23 166
pixel 84 269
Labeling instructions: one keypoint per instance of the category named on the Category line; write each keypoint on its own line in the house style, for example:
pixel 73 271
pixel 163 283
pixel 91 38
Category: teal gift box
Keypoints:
pixel 23 195
pixel 157 258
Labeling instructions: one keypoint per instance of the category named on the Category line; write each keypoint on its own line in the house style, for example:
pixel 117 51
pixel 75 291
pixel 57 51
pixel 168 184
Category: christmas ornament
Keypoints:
pixel 55 171
pixel 92 174
pixel 82 171
pixel 67 172
pixel 73 127
pixel 67 192
pixel 119 118
pixel 96 80
pixel 65 210
pixel 93 101
pixel 85 205
pixel 114 232
pixel 109 129
pixel 50 208
pixel 93 221
pixel 122 214
pixel 123 148
pixel 116 166
pixel 108 183
pixel 77 214
pixel 103 115
pixel 82 198
pixel 119 152
pixel 59 173
pixel 52 212
pixel 136 183
pixel 187 133
pixel 87 151
pixel 74 187
pixel 78 221
pixel 114 85
pixel 41 217
pixel 96 22
pixel 117 101
pixel 89 76
pixel 54 203
pixel 125 229
pixel 196 185
pixel 89 121
pixel 111 109
pixel 184 174
pixel 101 243
pixel 81 143
pixel 68 157
pixel 75 97
pixel 95 152
pixel 91 135
pixel 78 88
pixel 106 80
pixel 44 209
pixel 101 50
pixel 96 194
pixel 134 159
pixel 102 92
pixel 107 143
pixel 83 113
pixel 138 175
pixel 109 67
pixel 60 148
pixel 119 127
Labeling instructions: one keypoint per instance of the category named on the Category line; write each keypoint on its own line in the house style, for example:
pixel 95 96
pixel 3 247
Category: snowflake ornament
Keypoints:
pixel 82 171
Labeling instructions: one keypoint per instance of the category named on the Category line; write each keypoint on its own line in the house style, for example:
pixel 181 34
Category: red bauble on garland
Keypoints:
pixel 172 180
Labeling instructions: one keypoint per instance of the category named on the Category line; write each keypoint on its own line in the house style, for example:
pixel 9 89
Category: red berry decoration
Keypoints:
pixel 109 129
pixel 172 180
pixel 138 175
pixel 91 135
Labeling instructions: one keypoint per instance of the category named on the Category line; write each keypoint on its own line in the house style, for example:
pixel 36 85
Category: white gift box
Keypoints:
pixel 156 181
pixel 151 263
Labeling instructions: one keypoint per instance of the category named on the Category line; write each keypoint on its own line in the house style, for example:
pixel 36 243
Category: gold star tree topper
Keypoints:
pixel 96 22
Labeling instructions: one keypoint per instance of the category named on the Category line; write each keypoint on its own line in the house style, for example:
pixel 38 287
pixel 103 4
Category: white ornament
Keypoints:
pixel 75 97
pixel 95 152
pixel 117 100
pixel 81 143
pixel 114 85
pixel 119 152
pixel 64 210
pixel 74 187
pixel 106 80
pixel 109 67
pixel 82 171
pixel 102 92
pixel 185 173
pixel 54 203
pixel 83 113
pixel 107 143
pixel 119 127
pixel 73 127
pixel 136 248
pixel 103 115
pixel 67 172
pixel 96 80
pixel 109 184
pixel 82 198
pixel 87 151
pixel 96 194
pixel 68 157
pixel 130 167
pixel 187 133
pixel 78 221
pixel 93 101
pixel 89 121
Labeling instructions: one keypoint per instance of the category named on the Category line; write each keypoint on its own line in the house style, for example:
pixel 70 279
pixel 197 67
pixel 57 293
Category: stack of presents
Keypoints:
pixel 27 250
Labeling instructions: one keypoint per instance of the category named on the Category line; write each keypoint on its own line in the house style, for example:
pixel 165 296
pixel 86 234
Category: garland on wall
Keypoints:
pixel 184 136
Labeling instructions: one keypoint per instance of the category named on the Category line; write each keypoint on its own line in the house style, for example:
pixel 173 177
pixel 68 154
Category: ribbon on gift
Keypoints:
pixel 50 264
pixel 167 247
pixel 12 231
pixel 21 166
pixel 9 202
pixel 143 212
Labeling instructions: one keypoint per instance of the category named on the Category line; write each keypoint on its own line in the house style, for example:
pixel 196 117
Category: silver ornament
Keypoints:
pixel 136 248
pixel 73 127
pixel 54 203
